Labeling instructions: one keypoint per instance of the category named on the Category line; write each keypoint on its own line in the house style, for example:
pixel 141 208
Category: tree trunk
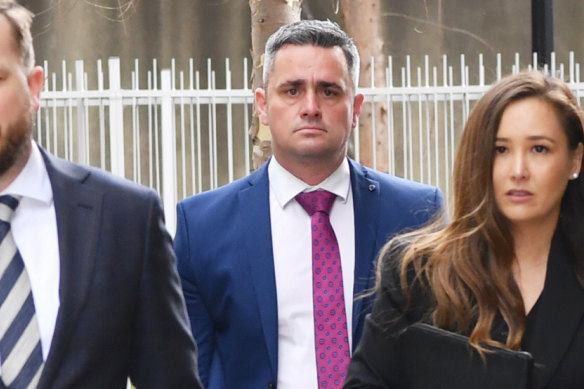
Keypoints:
pixel 266 17
pixel 363 23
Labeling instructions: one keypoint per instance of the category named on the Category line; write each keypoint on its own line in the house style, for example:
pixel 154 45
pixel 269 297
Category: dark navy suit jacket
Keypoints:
pixel 121 308
pixel 224 250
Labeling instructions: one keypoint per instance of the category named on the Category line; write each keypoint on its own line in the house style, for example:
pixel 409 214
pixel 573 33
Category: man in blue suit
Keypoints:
pixel 244 250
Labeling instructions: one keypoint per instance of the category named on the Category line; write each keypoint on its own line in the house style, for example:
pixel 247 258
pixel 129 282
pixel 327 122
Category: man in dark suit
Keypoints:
pixel 86 263
pixel 244 251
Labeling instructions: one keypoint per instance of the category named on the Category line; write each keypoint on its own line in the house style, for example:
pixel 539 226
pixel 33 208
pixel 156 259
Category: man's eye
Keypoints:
pixel 293 92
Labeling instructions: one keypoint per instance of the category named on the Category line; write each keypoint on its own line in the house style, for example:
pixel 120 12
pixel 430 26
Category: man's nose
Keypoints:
pixel 311 105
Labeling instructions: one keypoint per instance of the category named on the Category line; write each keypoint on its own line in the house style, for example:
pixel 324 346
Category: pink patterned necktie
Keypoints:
pixel 330 319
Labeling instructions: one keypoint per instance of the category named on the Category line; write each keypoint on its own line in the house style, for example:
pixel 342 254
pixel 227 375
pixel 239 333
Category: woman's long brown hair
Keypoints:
pixel 467 264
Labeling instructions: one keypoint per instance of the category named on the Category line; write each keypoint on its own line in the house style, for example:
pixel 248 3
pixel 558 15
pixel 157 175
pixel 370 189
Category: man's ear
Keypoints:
pixel 261 105
pixel 35 85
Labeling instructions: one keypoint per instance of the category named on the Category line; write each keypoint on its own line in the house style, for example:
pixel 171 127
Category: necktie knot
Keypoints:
pixel 317 201
pixel 8 205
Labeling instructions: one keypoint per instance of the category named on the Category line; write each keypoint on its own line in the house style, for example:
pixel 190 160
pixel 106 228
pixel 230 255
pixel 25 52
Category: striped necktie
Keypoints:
pixel 20 347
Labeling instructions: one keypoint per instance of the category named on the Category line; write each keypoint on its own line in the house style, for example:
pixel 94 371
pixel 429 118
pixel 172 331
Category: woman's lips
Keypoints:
pixel 519 195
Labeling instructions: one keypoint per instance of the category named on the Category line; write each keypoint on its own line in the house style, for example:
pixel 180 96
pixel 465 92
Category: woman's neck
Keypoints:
pixel 531 242
pixel 532 247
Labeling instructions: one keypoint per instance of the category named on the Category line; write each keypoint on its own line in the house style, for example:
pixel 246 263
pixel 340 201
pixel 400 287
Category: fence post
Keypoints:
pixel 168 132
pixel 116 118
pixel 82 128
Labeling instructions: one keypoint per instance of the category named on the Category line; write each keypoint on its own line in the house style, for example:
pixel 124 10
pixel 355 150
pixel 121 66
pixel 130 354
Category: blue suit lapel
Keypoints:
pixel 366 205
pixel 257 242
pixel 78 212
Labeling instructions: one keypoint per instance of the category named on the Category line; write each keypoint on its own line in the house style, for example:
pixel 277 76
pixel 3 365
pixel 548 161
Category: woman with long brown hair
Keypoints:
pixel 507 270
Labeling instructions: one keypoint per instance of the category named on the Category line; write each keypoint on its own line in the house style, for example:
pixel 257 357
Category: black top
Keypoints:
pixel 554 333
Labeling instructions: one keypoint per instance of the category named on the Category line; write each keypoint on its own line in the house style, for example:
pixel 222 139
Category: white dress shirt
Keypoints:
pixel 34 227
pixel 291 241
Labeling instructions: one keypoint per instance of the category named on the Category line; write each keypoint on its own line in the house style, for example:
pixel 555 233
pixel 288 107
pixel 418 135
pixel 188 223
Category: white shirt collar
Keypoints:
pixel 286 186
pixel 33 181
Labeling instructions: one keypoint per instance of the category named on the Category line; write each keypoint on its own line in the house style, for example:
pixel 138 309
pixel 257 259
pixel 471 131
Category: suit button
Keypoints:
pixel 271 385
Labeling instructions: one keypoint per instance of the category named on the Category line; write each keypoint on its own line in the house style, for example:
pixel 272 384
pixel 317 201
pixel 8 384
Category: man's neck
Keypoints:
pixel 10 175
pixel 311 172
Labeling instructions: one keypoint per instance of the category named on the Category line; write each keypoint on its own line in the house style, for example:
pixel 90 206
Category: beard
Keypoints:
pixel 14 144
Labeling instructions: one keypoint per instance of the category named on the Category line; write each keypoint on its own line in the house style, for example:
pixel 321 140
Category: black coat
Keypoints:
pixel 554 328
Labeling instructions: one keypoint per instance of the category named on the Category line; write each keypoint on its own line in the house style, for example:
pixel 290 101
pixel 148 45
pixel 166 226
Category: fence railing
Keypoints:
pixel 167 132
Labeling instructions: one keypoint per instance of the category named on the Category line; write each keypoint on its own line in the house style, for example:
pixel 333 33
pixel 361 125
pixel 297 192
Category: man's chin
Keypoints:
pixel 7 160
pixel 14 152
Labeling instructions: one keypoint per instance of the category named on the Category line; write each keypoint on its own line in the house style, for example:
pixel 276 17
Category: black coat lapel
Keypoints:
pixel 560 313
pixel 78 211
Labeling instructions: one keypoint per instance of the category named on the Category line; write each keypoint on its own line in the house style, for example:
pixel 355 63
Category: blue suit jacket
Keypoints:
pixel 224 249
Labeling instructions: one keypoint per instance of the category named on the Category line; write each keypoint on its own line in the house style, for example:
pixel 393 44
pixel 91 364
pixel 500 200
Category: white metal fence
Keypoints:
pixel 167 132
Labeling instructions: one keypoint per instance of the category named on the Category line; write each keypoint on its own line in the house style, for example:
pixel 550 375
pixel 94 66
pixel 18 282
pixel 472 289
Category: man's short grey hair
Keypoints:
pixel 321 33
